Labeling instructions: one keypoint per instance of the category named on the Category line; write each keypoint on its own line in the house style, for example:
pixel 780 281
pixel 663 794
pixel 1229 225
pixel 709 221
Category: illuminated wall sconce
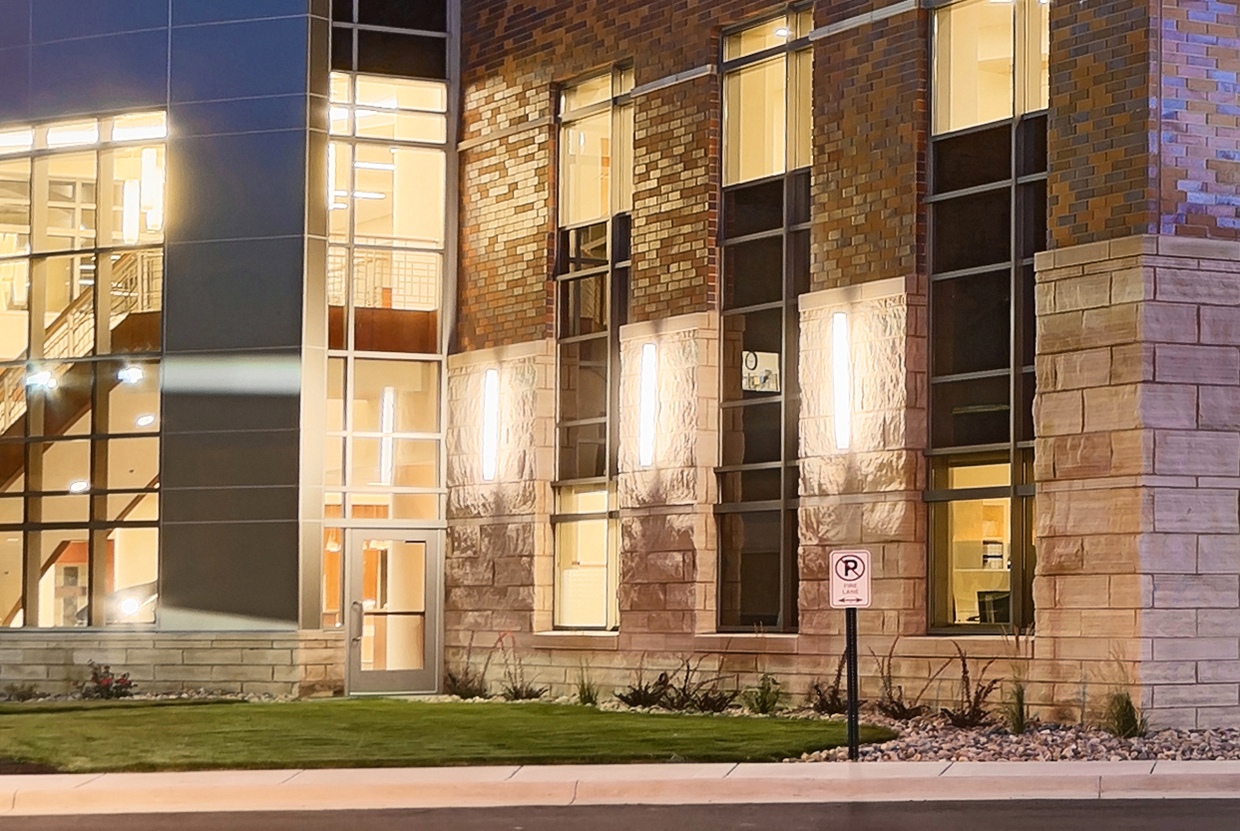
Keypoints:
pixel 387 425
pixel 648 410
pixel 841 380
pixel 490 425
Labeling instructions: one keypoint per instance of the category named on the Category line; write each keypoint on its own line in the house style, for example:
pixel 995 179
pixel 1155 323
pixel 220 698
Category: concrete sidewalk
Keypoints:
pixel 663 784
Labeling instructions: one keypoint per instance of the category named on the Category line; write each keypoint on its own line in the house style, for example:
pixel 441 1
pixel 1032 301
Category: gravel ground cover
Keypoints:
pixel 932 738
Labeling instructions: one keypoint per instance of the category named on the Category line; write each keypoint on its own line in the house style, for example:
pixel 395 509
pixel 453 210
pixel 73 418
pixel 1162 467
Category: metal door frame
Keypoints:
pixel 426 680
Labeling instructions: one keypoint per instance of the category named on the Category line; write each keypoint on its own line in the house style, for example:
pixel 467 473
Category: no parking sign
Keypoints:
pixel 850 579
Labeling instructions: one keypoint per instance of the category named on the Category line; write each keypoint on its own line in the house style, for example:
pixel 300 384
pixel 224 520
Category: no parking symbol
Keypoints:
pixel 850 579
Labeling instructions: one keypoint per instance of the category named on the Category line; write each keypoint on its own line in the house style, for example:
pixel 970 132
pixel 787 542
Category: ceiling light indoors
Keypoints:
pixel 42 379
pixel 130 606
pixel 79 486
pixel 130 375
pixel 145 420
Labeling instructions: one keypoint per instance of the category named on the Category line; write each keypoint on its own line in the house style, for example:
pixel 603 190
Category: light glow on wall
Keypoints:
pixel 841 380
pixel 387 423
pixel 130 224
pixel 649 406
pixel 490 425
pixel 153 189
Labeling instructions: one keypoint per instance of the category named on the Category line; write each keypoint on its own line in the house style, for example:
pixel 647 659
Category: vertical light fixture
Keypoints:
pixel 130 207
pixel 490 425
pixel 648 408
pixel 841 380
pixel 387 425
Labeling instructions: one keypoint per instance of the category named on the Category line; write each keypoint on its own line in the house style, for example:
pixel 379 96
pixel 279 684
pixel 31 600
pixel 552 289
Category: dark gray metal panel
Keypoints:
pixel 240 60
pixel 225 460
pixel 14 23
pixel 60 19
pixel 236 187
pixel 244 570
pixel 193 413
pixel 14 85
pixel 238 504
pixel 235 295
pixel 92 75
pixel 243 115
pixel 188 12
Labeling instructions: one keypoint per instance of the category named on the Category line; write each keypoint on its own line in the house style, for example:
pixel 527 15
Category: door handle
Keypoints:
pixel 359 618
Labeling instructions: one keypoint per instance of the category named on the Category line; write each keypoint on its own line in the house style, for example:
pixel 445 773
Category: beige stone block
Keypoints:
pixel 1081 591
pixel 1132 363
pixel 1167 553
pixel 1193 591
pixel 1196 695
pixel 1169 623
pixel 1132 285
pixel 1178 285
pixel 889 521
pixel 1058 413
pixel 1060 555
pixel 1090 252
pixel 1061 332
pixel 1109 623
pixel 1085 456
pixel 1110 326
pixel 23 672
pixel 1197 453
pixel 1085 292
pixel 1084 369
pixel 1130 591
pixel 1218 554
pixel 1218 623
pixel 1112 408
pixel 1220 408
pixel 1196 511
pixel 1197 364
pixel 245 672
pixel 1169 672
pixel 1132 452
pixel 152 656
pixel 1168 322
pixel 1059 622
pixel 1111 554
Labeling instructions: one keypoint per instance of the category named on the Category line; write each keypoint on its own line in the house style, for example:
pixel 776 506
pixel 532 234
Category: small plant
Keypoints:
pixel 689 689
pixel 1121 718
pixel 1014 709
pixel 970 708
pixel 22 692
pixel 642 693
pixel 764 699
pixel 104 683
pixel 515 687
pixel 714 700
pixel 587 690
pixel 891 701
pixel 465 681
pixel 832 699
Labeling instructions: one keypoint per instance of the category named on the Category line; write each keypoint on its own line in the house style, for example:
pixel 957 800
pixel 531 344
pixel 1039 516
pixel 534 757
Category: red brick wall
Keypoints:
pixel 870 134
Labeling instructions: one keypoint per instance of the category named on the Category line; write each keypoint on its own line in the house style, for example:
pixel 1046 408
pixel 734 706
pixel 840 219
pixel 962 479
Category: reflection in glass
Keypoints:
pixel 398 463
pixel 64 582
pixel 750 569
pixel 399 195
pixel 132 576
pixel 585 162
pixel 10 578
pixel 67 188
pixel 583 549
pixel 395 396
pixel 393 597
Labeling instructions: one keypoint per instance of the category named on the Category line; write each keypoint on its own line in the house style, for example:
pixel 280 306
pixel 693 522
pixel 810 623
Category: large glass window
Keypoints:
pixel 766 248
pixel 988 217
pixel 81 290
pixel 391 37
pixel 596 196
pixel 388 196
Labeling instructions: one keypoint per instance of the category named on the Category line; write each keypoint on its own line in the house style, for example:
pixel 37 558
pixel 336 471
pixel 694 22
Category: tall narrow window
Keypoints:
pixel 988 218
pixel 596 196
pixel 81 289
pixel 766 248
pixel 387 235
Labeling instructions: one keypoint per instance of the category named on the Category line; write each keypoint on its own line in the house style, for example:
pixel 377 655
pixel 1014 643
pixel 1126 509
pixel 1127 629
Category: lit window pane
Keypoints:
pixel 335 395
pixel 337 287
pixel 12 510
pixel 14 303
pixel 581 584
pixel 14 207
pixel 400 463
pixel 979 476
pixel 399 126
pixel 16 141
pixel 340 88
pixel 333 572
pixel 135 280
pixel 973 64
pixel 133 463
pixel 394 506
pixel 623 159
pixel 66 466
pixel 766 35
pixel 74 134
pixel 63 291
pixel 755 121
pixel 395 397
pixel 64 587
pixel 339 160
pixel 399 197
pixel 585 155
pixel 801 119
pixel 333 461
pixel 135 210
pixel 583 379
pixel 396 301
pixel 589 92
pixel 1037 55
pixel 134 576
pixel 133 507
pixel 401 94
pixel 140 127
pixel 66 186
pixel 979 552
pixel 132 395
pixel 10 579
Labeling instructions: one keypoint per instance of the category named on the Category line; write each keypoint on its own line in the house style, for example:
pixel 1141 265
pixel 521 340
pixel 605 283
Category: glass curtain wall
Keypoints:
pixel 988 217
pixel 596 198
pixel 766 247
pixel 81 279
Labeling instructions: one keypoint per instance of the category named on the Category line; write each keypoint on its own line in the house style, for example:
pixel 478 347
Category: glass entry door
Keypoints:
pixel 392 585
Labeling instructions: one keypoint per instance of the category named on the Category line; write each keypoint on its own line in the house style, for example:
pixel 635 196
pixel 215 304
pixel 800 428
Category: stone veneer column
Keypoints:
pixel 868 495
pixel 498 563
pixel 667 543
pixel 1138 468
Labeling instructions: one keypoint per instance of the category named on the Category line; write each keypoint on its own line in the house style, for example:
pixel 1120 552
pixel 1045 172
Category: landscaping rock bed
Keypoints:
pixel 182 695
pixel 932 738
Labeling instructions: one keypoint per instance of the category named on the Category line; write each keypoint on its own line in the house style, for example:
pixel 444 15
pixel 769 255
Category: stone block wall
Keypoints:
pixel 1138 468
pixel 292 664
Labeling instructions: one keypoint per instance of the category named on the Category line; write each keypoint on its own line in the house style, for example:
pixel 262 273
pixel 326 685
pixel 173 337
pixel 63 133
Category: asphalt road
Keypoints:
pixel 1140 815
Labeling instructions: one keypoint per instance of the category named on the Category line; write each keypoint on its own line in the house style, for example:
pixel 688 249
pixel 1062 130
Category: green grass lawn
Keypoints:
pixel 386 733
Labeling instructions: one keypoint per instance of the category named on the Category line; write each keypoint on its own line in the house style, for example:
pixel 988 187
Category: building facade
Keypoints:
pixel 409 326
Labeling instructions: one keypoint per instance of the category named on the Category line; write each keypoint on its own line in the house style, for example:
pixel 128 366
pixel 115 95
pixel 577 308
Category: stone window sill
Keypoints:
pixel 568 639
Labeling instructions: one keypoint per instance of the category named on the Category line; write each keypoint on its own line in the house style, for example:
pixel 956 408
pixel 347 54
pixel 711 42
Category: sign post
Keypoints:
pixel 850 591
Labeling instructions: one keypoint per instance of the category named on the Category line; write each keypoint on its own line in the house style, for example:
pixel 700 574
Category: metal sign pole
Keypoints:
pixel 854 728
